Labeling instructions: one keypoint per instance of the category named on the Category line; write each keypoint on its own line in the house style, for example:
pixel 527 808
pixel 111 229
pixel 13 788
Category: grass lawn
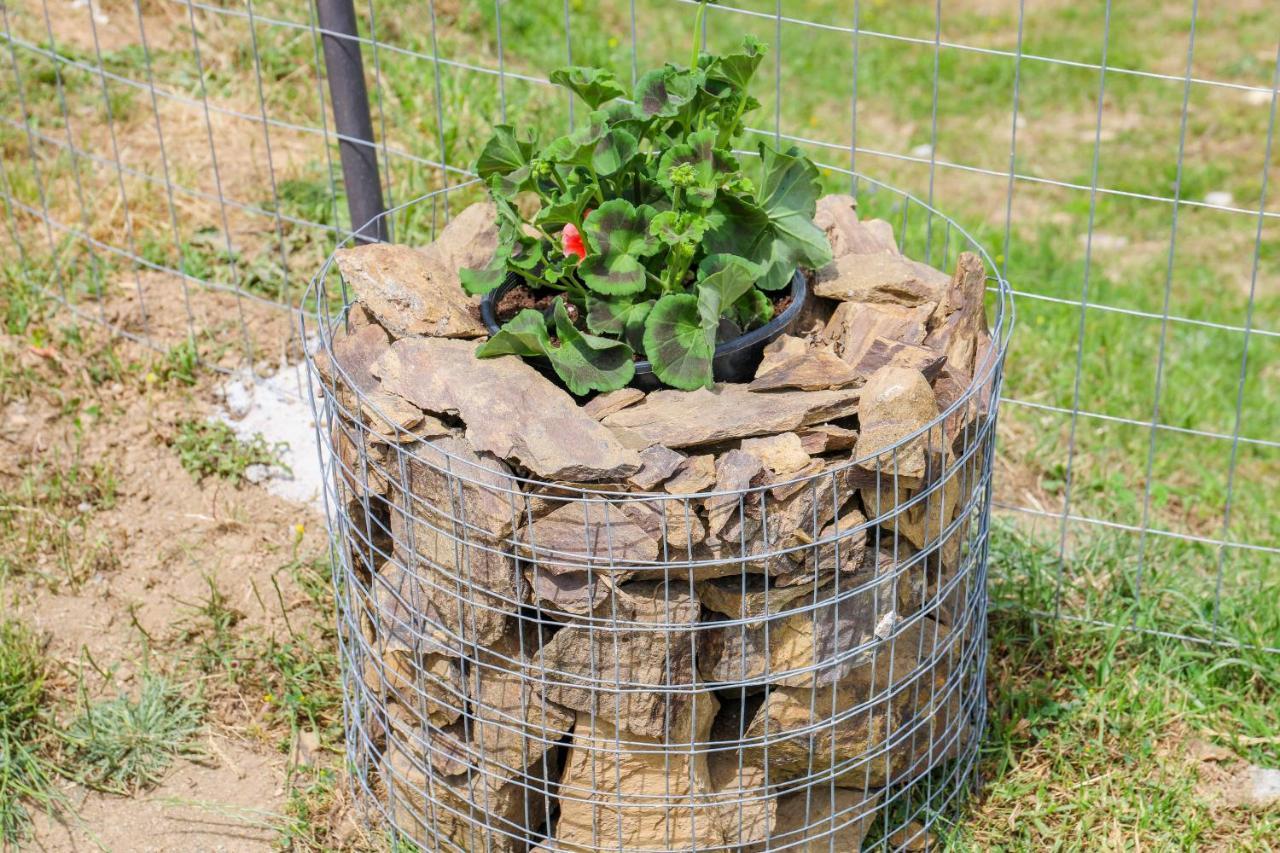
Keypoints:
pixel 1099 735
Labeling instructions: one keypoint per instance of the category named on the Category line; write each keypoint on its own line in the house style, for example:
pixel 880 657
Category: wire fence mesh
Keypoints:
pixel 796 665
pixel 171 169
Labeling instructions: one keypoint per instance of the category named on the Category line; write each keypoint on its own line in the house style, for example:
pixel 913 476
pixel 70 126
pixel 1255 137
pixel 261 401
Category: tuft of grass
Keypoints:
pixel 180 364
pixel 212 449
pixel 26 775
pixel 124 745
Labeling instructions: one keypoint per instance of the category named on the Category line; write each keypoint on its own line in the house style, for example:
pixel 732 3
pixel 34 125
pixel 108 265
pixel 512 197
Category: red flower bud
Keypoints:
pixel 571 242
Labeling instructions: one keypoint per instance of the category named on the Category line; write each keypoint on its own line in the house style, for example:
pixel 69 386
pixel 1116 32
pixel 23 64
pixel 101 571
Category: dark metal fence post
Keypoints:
pixel 345 70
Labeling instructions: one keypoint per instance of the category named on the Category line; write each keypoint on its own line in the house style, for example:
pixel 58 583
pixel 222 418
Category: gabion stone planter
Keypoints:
pixel 748 618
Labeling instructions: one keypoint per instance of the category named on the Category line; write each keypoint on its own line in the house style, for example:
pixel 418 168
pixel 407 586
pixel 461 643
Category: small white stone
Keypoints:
pixel 1258 97
pixel 84 506
pixel 1219 198
pixel 1265 784
pixel 923 151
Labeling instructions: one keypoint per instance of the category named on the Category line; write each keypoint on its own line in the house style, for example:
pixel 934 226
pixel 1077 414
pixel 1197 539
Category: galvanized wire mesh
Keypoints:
pixel 170 169
pixel 797 665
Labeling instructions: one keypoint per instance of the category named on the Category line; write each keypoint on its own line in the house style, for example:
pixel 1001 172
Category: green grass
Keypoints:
pixel 26 773
pixel 212 449
pixel 125 745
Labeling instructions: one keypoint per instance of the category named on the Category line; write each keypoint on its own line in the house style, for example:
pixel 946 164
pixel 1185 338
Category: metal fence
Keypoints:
pixel 172 170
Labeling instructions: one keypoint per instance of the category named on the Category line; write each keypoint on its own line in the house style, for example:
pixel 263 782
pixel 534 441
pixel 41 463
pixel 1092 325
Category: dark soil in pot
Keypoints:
pixel 735 359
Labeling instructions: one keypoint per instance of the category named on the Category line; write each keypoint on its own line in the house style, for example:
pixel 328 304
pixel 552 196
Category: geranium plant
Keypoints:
pixel 649 232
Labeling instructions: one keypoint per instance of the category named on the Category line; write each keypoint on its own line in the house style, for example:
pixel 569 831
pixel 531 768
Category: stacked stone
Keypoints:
pixel 714 620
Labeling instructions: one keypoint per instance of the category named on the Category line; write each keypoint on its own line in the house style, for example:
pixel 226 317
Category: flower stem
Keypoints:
pixel 595 180
pixel 697 34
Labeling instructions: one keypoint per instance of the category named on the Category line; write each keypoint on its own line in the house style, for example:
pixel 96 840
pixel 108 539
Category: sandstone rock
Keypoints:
pixel 582 537
pixel 364 476
pixel 884 352
pixel 880 278
pixel 654 793
pixel 752 597
pixel 896 402
pixel 780 349
pixel 694 474
pixel 806 729
pixel 836 215
pixel 410 292
pixel 691 418
pixel 349 361
pixel 633 663
pixel 823 819
pixel 614 401
pixel 841 546
pixel 782 454
pixel 577 593
pixel 471 810
pixel 960 427
pixel 401 667
pixel 814 370
pixel 961 319
pixel 814 643
pixel 673 521
pixel 735 472
pixel 854 325
pixel 510 409
pixel 469 240
pixel 454 512
pixel 392 417
pixel 826 438
pixel 657 463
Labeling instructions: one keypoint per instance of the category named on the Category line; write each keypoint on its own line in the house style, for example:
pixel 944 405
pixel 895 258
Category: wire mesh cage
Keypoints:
pixel 794 664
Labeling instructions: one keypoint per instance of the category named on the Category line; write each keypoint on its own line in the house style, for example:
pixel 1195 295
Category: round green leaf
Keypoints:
pixel 523 334
pixel 678 344
pixel 586 362
pixel 593 85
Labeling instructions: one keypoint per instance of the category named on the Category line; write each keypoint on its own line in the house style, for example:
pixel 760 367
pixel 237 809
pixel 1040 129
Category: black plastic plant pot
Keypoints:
pixel 735 360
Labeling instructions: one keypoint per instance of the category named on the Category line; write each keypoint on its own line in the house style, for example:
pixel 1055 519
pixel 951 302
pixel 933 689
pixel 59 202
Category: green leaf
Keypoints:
pixel 478 282
pixel 739 67
pixel 753 310
pixel 504 153
pixel 593 85
pixel 674 228
pixel 678 344
pixel 587 362
pixel 619 317
pixel 789 195
pixel 566 208
pixel 697 152
pixel 578 147
pixel 618 234
pixel 729 276
pixel 614 151
pixel 524 334
pixel 666 91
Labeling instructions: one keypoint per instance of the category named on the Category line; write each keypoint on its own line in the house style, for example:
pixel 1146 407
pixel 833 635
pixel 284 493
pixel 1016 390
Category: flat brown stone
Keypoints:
pixel 837 216
pixel 867 743
pixel 583 536
pixel 510 409
pixel 814 370
pixel 896 402
pixel 880 278
pixel 783 453
pixel 454 511
pixel 826 438
pixel 814 644
pixel 854 325
pixel 469 240
pixel 674 521
pixel 693 418
pixel 410 292
pixel 657 463
pixel 961 316
pixel 780 349
pixel 751 597
pixel 614 401
pixel 821 820
pixel 883 352
pixel 633 663
pixel 694 474
pixel 735 471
